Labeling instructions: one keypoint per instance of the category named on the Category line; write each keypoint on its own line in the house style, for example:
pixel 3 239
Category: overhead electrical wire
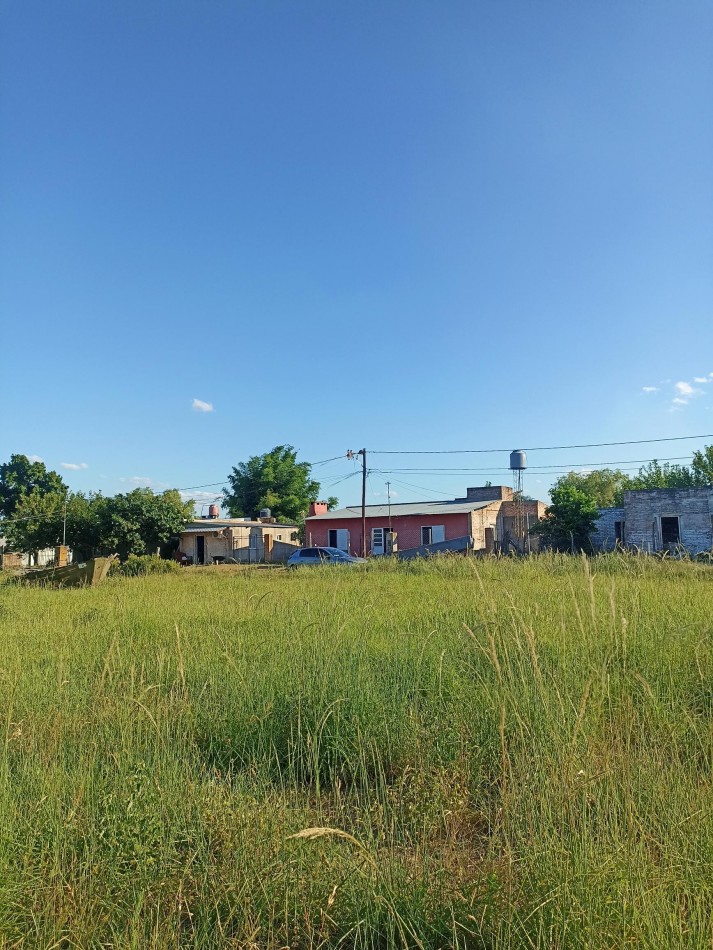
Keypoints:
pixel 535 448
pixel 464 471
pixel 554 469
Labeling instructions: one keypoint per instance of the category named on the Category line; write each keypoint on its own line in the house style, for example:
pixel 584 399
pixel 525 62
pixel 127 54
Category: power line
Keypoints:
pixel 560 465
pixel 398 481
pixel 225 480
pixel 535 448
pixel 499 472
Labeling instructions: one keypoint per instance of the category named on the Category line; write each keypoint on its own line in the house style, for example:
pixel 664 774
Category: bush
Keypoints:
pixel 139 565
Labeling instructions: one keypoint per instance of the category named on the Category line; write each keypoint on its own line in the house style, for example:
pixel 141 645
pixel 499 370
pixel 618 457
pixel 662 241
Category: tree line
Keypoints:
pixel 37 509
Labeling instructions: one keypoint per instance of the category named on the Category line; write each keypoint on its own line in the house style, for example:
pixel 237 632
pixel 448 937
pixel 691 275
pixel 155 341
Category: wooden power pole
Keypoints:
pixel 362 452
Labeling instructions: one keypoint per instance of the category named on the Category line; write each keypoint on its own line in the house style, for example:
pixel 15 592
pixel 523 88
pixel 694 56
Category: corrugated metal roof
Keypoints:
pixel 406 508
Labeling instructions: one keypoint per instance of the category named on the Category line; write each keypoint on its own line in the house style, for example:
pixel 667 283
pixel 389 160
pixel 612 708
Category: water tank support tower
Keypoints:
pixel 518 464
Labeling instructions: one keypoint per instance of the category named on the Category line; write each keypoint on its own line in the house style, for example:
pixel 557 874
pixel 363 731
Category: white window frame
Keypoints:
pixel 336 544
pixel 381 545
pixel 431 528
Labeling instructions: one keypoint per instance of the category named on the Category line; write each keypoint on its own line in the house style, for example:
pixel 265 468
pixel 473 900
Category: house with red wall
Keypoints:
pixel 487 519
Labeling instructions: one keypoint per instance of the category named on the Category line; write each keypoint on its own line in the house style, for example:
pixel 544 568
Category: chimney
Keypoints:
pixel 317 508
pixel 490 493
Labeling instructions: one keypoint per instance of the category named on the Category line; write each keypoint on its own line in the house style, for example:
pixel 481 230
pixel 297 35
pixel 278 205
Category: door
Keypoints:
pixel 200 549
pixel 378 540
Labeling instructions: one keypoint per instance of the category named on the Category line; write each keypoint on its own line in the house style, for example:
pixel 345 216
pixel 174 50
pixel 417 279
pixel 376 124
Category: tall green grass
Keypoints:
pixel 494 754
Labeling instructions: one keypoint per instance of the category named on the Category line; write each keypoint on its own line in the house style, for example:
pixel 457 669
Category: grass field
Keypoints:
pixel 452 753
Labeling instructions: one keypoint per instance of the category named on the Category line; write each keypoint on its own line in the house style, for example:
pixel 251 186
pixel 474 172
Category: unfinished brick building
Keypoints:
pixel 659 519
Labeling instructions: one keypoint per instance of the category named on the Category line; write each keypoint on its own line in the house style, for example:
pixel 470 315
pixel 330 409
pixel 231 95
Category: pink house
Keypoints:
pixel 485 520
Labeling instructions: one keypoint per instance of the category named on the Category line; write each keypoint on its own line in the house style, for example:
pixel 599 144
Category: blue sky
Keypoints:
pixel 405 225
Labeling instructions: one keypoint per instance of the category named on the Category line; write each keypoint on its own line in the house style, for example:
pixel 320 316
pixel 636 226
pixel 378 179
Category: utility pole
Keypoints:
pixel 388 495
pixel 64 521
pixel 362 452
pixel 350 455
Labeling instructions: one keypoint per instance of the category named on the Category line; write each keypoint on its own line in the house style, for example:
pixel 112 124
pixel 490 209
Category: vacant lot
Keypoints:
pixel 508 754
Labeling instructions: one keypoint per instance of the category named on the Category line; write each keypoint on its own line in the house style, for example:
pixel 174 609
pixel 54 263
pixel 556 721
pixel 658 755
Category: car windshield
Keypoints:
pixel 335 552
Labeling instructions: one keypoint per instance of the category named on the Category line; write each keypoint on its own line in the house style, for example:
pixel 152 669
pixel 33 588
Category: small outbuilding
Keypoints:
pixel 658 519
pixel 214 540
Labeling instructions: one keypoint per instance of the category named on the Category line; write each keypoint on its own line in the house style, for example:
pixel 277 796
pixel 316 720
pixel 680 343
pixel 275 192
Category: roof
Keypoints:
pixel 203 525
pixel 406 508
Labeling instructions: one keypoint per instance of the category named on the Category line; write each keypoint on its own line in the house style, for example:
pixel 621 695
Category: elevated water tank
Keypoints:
pixel 213 511
pixel 518 460
pixel 265 513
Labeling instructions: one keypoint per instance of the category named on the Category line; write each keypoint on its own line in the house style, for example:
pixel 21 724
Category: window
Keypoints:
pixel 309 552
pixel 433 534
pixel 619 532
pixel 338 538
pixel 670 530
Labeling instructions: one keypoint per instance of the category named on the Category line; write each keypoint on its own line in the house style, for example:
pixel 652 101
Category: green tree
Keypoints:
pixel 37 521
pixel 20 477
pixel 605 486
pixel 140 521
pixel 655 475
pixel 275 480
pixel 702 466
pixel 569 521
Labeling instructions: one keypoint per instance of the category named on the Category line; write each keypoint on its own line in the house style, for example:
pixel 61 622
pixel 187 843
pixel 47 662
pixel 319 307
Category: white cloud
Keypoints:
pixel 649 389
pixel 685 392
pixel 74 466
pixel 701 379
pixel 35 458
pixel 201 406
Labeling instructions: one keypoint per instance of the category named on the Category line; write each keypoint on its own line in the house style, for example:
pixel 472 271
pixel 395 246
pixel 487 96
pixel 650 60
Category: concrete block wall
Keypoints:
pixel 489 493
pixel 643 511
pixel 455 546
pixel 603 536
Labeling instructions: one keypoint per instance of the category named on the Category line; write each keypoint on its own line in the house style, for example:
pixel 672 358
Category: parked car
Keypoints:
pixel 312 556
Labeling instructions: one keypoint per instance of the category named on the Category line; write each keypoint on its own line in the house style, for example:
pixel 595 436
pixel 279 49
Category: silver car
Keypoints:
pixel 312 556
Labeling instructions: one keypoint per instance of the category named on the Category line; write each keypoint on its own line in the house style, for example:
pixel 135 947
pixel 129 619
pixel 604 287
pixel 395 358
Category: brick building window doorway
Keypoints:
pixel 670 530
pixel 378 540
pixel 338 538
pixel 432 534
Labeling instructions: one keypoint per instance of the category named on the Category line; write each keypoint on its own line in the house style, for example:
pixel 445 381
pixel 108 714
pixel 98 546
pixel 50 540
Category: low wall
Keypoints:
pixel 459 545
